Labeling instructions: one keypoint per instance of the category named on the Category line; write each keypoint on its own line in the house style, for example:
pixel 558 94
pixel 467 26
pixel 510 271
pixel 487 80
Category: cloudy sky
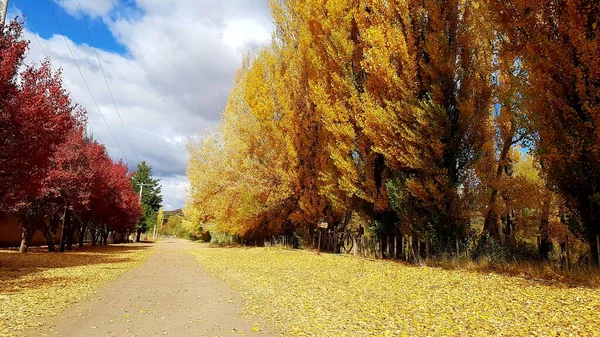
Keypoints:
pixel 169 65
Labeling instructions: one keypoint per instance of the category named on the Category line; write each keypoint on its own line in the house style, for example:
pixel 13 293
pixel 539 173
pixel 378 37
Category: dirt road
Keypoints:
pixel 170 295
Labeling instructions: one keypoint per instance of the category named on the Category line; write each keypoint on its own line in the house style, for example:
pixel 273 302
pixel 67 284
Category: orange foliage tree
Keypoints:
pixel 560 46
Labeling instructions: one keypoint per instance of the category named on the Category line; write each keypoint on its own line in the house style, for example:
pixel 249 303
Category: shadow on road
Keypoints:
pixel 14 266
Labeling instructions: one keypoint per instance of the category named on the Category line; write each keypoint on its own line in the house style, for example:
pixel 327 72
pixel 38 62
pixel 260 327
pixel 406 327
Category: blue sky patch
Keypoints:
pixel 41 21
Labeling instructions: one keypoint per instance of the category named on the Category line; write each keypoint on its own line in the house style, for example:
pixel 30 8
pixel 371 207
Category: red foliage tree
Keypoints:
pixel 36 115
pixel 48 168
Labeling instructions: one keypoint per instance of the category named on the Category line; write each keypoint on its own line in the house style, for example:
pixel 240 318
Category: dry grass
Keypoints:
pixel 578 276
pixel 331 295
pixel 41 284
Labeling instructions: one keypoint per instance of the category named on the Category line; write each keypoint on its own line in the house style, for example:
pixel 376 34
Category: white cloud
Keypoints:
pixel 91 7
pixel 182 56
pixel 172 188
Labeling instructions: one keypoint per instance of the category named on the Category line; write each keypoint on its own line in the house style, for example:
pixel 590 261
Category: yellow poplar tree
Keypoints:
pixel 560 46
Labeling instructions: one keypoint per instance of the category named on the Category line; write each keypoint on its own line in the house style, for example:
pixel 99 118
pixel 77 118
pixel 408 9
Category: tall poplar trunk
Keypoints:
pixel 137 238
pixel 491 225
pixel 545 243
pixel 590 217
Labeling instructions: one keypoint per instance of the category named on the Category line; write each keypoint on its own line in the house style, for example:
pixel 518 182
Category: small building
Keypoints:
pixel 10 233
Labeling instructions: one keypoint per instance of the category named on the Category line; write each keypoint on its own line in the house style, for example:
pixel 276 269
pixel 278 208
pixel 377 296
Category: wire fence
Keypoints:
pixel 414 249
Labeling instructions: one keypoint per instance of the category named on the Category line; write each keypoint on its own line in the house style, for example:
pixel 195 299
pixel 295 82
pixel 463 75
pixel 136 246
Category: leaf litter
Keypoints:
pixel 331 295
pixel 42 284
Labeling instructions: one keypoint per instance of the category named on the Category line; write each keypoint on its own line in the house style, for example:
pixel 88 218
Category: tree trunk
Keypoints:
pixel 491 225
pixel 82 231
pixel 70 234
pixel 137 238
pixel 545 243
pixel 65 229
pixel 590 219
pixel 26 236
pixel 49 232
pixel 50 240
pixel 95 235
pixel 105 237
pixel 509 228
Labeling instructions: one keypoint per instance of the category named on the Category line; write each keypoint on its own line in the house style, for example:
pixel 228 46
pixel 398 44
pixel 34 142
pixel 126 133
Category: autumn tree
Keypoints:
pixel 510 127
pixel 37 115
pixel 293 48
pixel 329 43
pixel 407 87
pixel 67 184
pixel 241 175
pixel 160 218
pixel 50 172
pixel 35 109
pixel 560 46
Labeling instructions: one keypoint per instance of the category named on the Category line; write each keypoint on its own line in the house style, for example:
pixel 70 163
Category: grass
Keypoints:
pixel 585 276
pixel 41 284
pixel 332 295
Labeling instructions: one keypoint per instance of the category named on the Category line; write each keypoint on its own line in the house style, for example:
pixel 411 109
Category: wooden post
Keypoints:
pixel 395 247
pixel 319 244
pixel 457 251
pixel 402 254
pixel 419 247
pixel 568 253
pixel 409 247
pixel 354 245
pixel 387 248
pixel 427 246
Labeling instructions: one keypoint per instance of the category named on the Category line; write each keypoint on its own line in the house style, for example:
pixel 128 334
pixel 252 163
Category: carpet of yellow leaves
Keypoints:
pixel 331 295
pixel 37 284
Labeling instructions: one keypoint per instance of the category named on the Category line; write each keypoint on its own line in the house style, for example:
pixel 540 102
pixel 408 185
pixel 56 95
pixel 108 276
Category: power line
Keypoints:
pixel 52 65
pixel 106 81
pixel 85 82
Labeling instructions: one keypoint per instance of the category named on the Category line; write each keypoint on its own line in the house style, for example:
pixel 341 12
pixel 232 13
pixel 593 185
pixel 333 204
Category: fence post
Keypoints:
pixel 457 251
pixel 568 253
pixel 409 246
pixel 395 247
pixel 402 254
pixel 427 246
pixel 419 248
pixel 319 244
pixel 387 248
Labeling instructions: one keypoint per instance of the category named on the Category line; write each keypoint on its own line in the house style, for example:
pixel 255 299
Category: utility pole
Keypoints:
pixel 141 189
pixel 3 10
pixel 141 185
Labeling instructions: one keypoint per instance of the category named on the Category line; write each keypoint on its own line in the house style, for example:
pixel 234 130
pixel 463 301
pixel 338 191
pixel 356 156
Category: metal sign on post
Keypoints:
pixel 323 224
